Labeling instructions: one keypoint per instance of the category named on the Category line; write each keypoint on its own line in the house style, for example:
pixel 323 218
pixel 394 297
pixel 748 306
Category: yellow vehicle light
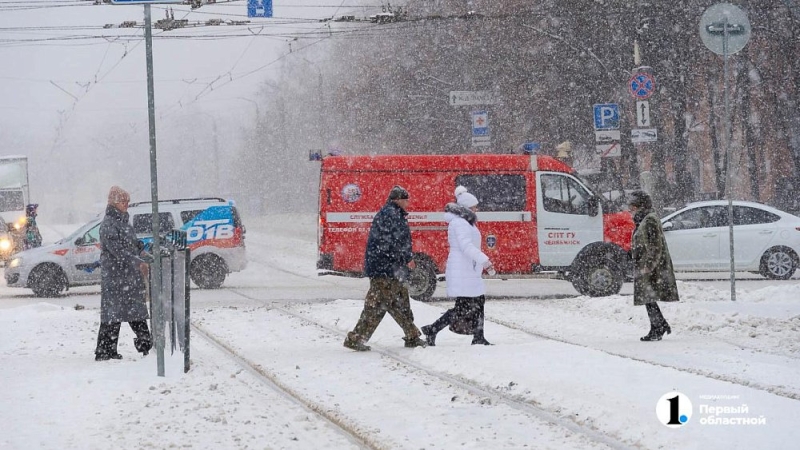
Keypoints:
pixel 5 244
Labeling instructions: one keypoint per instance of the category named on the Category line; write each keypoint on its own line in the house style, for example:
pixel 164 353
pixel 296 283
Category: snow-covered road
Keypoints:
pixel 564 373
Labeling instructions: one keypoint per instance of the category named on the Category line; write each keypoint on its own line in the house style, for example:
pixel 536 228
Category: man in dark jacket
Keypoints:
pixel 386 263
pixel 122 292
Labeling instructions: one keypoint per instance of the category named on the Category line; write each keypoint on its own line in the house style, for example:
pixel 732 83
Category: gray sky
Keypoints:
pixel 77 106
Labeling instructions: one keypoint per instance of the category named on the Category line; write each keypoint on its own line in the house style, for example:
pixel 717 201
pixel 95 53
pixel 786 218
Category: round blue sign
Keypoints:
pixel 642 85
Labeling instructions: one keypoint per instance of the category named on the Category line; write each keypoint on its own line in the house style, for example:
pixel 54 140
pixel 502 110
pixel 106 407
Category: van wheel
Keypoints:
pixel 47 280
pixel 422 279
pixel 778 263
pixel 208 271
pixel 598 276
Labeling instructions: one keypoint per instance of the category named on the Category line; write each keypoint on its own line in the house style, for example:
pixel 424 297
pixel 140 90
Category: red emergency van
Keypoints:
pixel 535 216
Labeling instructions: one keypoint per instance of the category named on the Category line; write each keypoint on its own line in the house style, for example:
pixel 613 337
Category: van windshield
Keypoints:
pixel 11 201
pixel 611 196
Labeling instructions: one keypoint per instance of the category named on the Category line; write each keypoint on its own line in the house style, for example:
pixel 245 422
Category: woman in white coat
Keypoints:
pixel 465 265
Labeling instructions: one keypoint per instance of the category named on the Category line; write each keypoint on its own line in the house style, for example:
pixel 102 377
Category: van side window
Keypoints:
pixel 496 192
pixel 142 223
pixel 562 194
pixel 186 216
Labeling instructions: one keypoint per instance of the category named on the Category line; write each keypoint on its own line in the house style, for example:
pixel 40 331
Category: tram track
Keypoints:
pixel 775 390
pixel 269 379
pixel 517 403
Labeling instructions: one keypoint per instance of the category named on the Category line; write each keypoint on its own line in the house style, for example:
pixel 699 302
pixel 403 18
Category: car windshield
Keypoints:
pixel 79 232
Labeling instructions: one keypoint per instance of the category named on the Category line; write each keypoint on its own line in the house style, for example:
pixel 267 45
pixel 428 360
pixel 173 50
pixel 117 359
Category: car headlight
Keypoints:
pixel 16 262
pixel 5 244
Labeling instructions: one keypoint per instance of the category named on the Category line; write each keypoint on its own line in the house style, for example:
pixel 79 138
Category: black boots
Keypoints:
pixel 480 341
pixel 651 336
pixel 656 334
pixel 356 342
pixel 106 356
pixel 143 345
pixel 430 335
pixel 658 324
pixel 416 342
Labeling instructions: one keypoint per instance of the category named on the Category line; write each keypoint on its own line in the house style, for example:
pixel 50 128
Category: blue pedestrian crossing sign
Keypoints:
pixel 606 116
pixel 259 8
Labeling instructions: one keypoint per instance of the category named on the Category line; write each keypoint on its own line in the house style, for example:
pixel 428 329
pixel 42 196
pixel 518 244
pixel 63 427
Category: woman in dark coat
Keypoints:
pixel 122 295
pixel 654 281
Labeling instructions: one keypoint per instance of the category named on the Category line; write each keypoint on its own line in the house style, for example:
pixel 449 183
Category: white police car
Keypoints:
pixel 214 231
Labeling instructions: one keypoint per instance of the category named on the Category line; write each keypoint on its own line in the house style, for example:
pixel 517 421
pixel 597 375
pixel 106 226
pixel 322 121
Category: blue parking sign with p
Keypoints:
pixel 606 116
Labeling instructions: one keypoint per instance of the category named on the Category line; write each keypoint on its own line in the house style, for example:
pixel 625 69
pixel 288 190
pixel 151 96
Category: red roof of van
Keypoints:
pixel 402 163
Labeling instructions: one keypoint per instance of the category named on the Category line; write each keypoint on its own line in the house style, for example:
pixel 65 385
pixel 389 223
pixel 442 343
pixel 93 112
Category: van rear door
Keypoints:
pixel 562 216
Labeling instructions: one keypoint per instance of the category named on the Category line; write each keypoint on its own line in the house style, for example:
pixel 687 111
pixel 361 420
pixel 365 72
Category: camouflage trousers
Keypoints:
pixel 385 295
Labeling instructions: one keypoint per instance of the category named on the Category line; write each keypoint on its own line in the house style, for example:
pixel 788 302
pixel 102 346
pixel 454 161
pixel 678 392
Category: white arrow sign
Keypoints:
pixel 639 135
pixel 461 98
pixel 643 114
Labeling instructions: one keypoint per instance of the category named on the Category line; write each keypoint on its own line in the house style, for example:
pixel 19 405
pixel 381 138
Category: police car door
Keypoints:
pixel 564 223
pixel 85 254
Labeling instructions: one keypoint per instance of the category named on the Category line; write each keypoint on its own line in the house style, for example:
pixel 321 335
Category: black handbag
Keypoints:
pixel 466 311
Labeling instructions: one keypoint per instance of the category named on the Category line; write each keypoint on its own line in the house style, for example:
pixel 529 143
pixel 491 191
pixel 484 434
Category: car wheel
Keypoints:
pixel 47 280
pixel 598 276
pixel 778 263
pixel 208 271
pixel 422 279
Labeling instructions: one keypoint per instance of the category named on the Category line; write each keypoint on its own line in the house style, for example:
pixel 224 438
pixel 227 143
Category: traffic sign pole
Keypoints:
pixel 157 320
pixel 728 168
pixel 158 306
pixel 730 23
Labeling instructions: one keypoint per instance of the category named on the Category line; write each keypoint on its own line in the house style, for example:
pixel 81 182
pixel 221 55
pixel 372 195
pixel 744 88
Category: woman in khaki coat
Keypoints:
pixel 655 280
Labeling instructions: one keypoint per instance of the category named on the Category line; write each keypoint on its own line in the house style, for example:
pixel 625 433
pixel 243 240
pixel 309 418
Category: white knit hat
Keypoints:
pixel 464 198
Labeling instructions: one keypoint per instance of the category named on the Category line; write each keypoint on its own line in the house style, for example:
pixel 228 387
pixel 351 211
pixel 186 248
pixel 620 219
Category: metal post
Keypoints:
pixel 729 163
pixel 158 307
pixel 187 324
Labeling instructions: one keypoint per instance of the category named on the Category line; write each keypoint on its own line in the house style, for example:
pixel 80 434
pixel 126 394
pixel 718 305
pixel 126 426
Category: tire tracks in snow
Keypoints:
pixel 269 379
pixel 775 390
pixel 514 402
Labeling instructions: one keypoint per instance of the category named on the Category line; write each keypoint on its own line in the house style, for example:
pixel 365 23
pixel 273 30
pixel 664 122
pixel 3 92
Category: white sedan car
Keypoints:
pixel 50 269
pixel 766 240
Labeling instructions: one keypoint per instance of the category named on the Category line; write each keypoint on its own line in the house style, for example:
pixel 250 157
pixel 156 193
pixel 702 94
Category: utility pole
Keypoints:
pixel 157 321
